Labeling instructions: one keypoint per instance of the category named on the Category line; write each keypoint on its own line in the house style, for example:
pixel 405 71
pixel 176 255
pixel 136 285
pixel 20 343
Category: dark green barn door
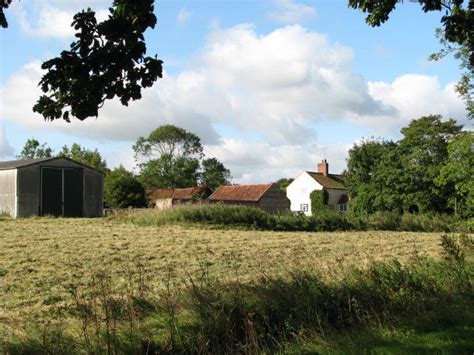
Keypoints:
pixel 73 193
pixel 61 192
pixel 51 191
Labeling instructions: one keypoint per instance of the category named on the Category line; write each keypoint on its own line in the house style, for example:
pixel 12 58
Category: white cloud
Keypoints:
pixel 275 86
pixel 183 16
pixel 6 149
pixel 253 162
pixel 53 18
pixel 292 12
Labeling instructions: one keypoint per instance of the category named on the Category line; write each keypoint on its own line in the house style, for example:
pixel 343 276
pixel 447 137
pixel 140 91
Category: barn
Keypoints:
pixel 50 186
pixel 265 196
pixel 167 198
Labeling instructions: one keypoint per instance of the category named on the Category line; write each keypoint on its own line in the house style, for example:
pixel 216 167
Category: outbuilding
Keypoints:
pixel 50 186
pixel 265 196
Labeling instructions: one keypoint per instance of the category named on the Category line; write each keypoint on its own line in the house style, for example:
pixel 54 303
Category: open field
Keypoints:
pixel 41 257
pixel 38 257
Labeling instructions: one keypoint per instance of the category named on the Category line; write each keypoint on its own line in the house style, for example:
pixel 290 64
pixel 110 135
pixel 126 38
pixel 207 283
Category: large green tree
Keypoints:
pixel 214 174
pixel 33 149
pixel 172 157
pixel 402 176
pixel 122 189
pixel 456 33
pixel 85 156
pixel 459 170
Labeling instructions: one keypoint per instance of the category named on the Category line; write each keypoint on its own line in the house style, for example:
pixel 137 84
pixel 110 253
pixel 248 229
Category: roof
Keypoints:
pixel 15 164
pixel 332 181
pixel 240 193
pixel 180 194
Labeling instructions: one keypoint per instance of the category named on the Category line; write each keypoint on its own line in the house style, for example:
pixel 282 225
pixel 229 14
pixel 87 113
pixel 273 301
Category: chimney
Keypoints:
pixel 323 167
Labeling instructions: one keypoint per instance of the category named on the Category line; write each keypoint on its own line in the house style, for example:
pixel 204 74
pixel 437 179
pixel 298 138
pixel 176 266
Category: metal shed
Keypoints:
pixel 51 186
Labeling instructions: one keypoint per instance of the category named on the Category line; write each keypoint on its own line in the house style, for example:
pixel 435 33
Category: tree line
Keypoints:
pixel 170 157
pixel 430 169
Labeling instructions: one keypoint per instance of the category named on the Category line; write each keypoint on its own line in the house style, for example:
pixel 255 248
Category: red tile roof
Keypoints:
pixel 240 193
pixel 180 194
pixel 332 181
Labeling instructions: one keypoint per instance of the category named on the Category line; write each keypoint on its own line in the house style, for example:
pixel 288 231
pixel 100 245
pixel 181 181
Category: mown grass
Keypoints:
pixel 244 217
pixel 71 286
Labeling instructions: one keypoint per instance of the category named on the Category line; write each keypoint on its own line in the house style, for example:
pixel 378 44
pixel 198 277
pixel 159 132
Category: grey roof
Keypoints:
pixel 331 181
pixel 13 164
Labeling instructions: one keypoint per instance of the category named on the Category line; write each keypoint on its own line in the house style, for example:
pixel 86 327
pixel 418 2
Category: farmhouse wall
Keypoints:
pixel 299 190
pixel 163 203
pixel 333 197
pixel 8 192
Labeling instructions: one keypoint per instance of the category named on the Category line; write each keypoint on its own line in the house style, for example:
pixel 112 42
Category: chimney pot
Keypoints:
pixel 323 167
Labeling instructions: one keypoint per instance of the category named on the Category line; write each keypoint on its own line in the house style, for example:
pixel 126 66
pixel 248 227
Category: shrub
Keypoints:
pixel 122 189
pixel 319 201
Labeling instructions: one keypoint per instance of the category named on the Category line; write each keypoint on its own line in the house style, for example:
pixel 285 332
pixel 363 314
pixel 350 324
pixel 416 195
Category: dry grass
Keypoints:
pixel 39 257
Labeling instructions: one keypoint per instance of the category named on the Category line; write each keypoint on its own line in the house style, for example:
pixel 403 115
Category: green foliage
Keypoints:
pixel 402 176
pixel 459 170
pixel 319 201
pixel 107 60
pixel 172 157
pixel 283 184
pixel 34 150
pixel 210 315
pixel 122 189
pixel 85 156
pixel 456 35
pixel 169 172
pixel 214 174
pixel 235 216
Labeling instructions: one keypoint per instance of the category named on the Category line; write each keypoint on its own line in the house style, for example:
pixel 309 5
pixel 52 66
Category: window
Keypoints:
pixel 343 207
pixel 304 207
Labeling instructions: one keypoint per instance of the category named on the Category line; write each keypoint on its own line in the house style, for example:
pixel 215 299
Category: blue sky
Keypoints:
pixel 270 86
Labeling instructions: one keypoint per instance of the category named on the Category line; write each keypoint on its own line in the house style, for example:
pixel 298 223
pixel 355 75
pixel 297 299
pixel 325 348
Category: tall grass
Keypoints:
pixel 228 216
pixel 210 316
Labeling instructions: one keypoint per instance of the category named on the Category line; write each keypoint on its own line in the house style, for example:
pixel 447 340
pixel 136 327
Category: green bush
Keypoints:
pixel 319 201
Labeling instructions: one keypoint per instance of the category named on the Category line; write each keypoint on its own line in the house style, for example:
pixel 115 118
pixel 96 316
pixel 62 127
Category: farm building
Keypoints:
pixel 300 189
pixel 50 186
pixel 265 196
pixel 166 198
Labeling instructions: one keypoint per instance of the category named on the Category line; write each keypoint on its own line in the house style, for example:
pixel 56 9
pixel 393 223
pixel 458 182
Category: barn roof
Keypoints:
pixel 180 194
pixel 15 164
pixel 332 181
pixel 240 193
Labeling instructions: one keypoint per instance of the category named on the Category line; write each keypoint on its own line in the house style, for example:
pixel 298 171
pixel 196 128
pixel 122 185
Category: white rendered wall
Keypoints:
pixel 8 192
pixel 299 190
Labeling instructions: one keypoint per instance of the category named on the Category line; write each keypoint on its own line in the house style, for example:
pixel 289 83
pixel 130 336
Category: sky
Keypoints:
pixel 272 87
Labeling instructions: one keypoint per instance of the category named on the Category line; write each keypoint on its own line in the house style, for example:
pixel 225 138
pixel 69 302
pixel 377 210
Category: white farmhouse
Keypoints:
pixel 299 190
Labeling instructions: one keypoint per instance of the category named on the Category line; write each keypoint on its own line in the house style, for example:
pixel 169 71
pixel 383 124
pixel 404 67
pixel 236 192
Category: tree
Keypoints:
pixel 214 174
pixel 34 150
pixel 283 184
pixel 107 60
pixel 171 157
pixel 459 170
pixel 122 189
pixel 85 156
pixel 456 34
pixel 366 166
pixel 170 172
pixel 423 151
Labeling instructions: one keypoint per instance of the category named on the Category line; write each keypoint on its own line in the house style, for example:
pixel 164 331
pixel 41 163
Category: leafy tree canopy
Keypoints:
pixel 34 150
pixel 4 4
pixel 456 34
pixel 214 174
pixel 106 60
pixel 283 184
pixel 173 157
pixel 122 189
pixel 85 156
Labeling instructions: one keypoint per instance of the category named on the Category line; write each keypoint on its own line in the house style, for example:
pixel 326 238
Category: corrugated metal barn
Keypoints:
pixel 50 186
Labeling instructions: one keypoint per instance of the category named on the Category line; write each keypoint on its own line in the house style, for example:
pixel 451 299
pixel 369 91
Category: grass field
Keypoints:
pixel 40 257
